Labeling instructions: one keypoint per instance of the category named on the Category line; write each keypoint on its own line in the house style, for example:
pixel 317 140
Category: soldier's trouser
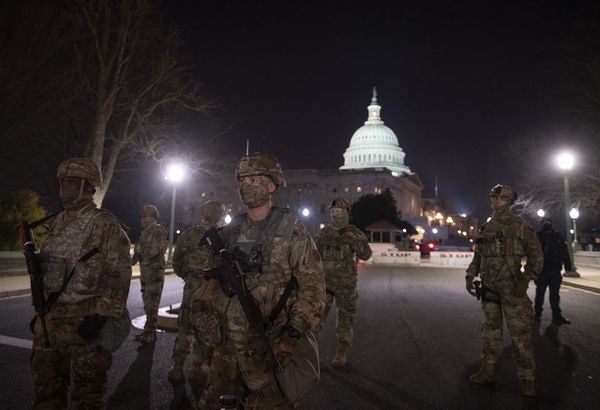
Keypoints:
pixel 519 319
pixel 553 280
pixel 151 288
pixel 185 335
pixel 66 375
pixel 346 300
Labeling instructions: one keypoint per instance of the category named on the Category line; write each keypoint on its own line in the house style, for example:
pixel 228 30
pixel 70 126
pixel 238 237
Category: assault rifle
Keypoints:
pixel 35 270
pixel 231 278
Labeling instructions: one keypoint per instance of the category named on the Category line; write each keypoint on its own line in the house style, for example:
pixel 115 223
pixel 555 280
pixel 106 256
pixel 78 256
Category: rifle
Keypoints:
pixel 34 269
pixel 231 278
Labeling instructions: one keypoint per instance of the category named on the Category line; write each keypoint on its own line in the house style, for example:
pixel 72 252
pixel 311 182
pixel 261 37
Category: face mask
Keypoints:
pixel 72 193
pixel 254 196
pixel 147 220
pixel 340 220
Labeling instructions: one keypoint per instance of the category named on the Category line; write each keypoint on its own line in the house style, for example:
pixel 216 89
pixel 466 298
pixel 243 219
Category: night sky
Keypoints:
pixel 458 81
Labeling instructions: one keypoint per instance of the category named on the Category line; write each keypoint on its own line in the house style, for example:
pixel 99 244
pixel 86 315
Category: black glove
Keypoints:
pixel 90 326
pixel 469 285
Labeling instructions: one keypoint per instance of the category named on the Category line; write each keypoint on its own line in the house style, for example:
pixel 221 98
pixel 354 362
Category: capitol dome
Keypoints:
pixel 374 145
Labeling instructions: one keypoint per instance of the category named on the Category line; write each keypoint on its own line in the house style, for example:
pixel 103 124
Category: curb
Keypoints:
pixel 16 292
pixel 579 286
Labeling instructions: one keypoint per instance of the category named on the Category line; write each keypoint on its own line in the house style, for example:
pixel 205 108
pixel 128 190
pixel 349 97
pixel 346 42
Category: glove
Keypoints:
pixel 285 345
pixel 520 288
pixel 469 285
pixel 90 326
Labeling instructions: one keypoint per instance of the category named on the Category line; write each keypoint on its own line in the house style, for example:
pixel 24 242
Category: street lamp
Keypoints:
pixel 574 214
pixel 541 213
pixel 175 173
pixel 566 161
pixel 305 212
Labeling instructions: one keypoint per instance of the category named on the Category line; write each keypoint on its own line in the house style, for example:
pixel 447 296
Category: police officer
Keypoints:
pixel 500 247
pixel 556 255
pixel 190 259
pixel 273 247
pixel 150 253
pixel 85 260
pixel 340 245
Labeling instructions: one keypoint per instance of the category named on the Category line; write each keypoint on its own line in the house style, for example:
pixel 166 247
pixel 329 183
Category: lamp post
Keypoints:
pixel 541 213
pixel 574 214
pixel 175 173
pixel 566 161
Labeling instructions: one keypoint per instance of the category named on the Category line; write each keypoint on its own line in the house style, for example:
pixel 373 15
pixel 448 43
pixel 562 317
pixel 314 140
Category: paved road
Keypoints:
pixel 416 342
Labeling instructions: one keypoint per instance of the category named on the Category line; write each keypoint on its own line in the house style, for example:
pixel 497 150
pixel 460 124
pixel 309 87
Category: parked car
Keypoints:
pixel 427 246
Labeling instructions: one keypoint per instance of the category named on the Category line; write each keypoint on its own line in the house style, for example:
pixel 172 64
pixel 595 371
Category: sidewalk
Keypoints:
pixel 589 280
pixel 15 285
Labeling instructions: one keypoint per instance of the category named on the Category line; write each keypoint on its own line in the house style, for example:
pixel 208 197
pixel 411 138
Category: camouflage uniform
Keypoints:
pixel 150 253
pixel 72 369
pixel 277 248
pixel 189 261
pixel 339 244
pixel 501 245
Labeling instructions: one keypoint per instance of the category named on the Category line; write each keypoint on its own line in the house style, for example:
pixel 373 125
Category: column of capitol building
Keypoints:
pixel 373 162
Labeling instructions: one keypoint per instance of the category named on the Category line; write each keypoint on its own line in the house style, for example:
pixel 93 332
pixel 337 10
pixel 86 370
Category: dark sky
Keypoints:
pixel 458 81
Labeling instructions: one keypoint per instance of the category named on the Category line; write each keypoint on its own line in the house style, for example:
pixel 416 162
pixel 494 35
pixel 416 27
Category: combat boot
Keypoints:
pixel 528 387
pixel 147 336
pixel 176 374
pixel 485 375
pixel 341 355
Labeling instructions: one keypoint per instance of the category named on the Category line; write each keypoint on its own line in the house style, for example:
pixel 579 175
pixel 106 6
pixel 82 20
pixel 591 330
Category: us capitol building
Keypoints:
pixel 373 162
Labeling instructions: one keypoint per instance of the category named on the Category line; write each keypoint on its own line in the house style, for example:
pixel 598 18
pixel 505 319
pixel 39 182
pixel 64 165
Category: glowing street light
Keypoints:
pixel 574 214
pixel 305 212
pixel 175 173
pixel 434 230
pixel 566 161
pixel 541 213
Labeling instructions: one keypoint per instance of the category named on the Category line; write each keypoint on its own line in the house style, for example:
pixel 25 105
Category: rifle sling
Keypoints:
pixel 289 288
pixel 53 297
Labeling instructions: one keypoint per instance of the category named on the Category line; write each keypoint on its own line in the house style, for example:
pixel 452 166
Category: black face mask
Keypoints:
pixel 546 228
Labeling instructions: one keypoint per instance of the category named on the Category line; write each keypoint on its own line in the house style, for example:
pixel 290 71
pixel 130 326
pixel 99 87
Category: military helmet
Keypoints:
pixel 81 168
pixel 504 191
pixel 150 210
pixel 212 211
pixel 340 203
pixel 259 163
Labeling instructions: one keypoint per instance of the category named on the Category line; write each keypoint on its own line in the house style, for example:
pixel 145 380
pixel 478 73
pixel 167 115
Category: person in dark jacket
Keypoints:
pixel 556 255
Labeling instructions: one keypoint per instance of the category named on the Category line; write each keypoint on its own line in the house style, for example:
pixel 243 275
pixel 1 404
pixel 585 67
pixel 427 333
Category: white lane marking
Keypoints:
pixel 16 342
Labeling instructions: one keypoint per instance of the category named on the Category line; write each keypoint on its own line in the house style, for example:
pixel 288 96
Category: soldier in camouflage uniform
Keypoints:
pixel 339 244
pixel 150 253
pixel 86 254
pixel 189 261
pixel 501 245
pixel 275 248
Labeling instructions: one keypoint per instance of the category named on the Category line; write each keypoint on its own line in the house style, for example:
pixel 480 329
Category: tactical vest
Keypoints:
pixel 145 246
pixel 501 244
pixel 267 269
pixel 330 246
pixel 60 253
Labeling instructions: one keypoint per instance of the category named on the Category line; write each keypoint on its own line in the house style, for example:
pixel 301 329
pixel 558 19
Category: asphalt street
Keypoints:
pixel 416 342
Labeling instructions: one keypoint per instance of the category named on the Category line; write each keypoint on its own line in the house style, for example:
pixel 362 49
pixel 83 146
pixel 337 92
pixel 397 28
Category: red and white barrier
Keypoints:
pixel 451 258
pixel 395 257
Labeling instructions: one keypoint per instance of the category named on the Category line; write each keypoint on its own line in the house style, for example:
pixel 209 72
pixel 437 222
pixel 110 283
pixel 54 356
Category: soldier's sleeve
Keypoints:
pixel 473 269
pixel 115 269
pixel 533 251
pixel 359 244
pixel 307 267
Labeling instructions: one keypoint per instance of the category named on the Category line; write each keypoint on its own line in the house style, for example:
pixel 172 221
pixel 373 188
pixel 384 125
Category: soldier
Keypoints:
pixel 189 261
pixel 340 244
pixel 556 255
pixel 150 253
pixel 276 253
pixel 500 247
pixel 86 262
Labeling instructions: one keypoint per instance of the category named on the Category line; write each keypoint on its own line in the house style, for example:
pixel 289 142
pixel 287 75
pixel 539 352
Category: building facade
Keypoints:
pixel 373 162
